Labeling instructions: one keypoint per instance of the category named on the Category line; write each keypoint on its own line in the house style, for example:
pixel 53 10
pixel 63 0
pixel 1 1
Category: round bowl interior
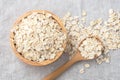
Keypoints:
pixel 96 37
pixel 46 62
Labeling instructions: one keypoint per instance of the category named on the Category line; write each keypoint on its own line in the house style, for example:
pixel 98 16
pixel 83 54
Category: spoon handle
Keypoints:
pixel 61 69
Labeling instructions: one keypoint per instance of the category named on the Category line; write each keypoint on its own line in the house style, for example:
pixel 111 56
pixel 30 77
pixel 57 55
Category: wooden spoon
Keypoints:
pixel 77 57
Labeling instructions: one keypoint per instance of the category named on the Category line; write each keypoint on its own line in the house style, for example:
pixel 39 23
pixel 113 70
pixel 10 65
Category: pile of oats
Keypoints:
pixel 111 30
pixel 90 48
pixel 108 32
pixel 73 33
pixel 38 37
pixel 110 35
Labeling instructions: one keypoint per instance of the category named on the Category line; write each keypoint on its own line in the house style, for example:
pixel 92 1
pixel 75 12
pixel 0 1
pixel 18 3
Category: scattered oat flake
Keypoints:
pixel 108 31
pixel 82 70
pixel 87 65
pixel 84 13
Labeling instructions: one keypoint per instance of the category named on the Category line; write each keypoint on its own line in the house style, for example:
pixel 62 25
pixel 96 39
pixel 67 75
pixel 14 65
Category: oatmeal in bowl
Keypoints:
pixel 38 38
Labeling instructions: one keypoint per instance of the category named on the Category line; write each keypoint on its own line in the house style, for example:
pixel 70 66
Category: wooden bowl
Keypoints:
pixel 46 62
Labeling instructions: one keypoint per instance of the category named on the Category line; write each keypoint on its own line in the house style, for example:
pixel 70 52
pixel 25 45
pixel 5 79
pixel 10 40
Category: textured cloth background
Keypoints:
pixel 12 68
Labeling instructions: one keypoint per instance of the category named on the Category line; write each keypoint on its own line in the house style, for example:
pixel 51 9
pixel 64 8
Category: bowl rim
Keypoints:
pixel 43 63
